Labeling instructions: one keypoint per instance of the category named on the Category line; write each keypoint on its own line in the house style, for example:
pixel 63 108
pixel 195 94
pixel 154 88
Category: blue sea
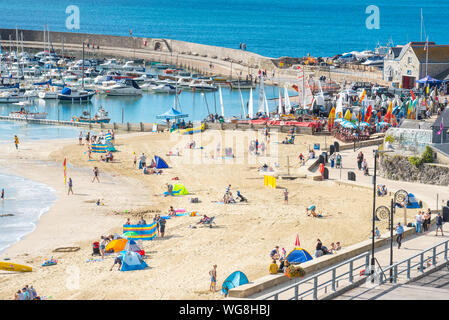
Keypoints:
pixel 272 28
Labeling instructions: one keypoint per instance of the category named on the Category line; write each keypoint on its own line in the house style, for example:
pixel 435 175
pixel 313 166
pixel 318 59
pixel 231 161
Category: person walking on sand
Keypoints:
pixel 162 226
pixel 89 152
pixel 16 142
pixel 286 196
pixel 96 173
pixel 399 232
pixel 135 160
pixel 3 194
pixel 213 278
pixel 80 138
pixel 70 186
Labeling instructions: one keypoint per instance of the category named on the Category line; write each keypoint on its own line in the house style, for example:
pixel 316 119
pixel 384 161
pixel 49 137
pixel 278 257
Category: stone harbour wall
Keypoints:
pixel 399 168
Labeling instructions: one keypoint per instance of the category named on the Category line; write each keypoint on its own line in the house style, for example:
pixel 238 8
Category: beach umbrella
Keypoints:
pixel 364 124
pixel 348 124
pixel 130 233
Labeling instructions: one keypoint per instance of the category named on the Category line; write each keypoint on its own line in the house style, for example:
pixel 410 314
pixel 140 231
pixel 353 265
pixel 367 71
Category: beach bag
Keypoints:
pixel 194 200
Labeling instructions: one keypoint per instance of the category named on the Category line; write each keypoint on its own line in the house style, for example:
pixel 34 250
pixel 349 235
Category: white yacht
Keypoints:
pixel 202 86
pixel 110 64
pixel 49 93
pixel 124 87
pixel 163 88
pixel 131 66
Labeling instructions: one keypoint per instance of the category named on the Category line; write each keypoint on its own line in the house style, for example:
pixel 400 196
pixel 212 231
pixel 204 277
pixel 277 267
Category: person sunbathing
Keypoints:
pixel 204 219
pixel 231 198
pixel 171 212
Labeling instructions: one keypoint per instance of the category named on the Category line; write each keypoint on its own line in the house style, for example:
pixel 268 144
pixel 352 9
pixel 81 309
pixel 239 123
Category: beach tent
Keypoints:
pixel 143 231
pixel 110 146
pixel 132 261
pixel 116 245
pixel 178 189
pixel 131 245
pixel 160 163
pixel 412 202
pixel 235 279
pixel 298 255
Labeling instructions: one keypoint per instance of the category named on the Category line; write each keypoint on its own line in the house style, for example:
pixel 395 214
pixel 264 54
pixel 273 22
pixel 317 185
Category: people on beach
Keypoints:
pixel 96 173
pixel 274 254
pixel 128 222
pixel 70 184
pixel 418 222
pixel 318 248
pixel 16 142
pixel 117 261
pixel 80 138
pixel 135 160
pixel 169 189
pixel 162 223
pixel 399 233
pixel 103 243
pixel 286 196
pixel 27 293
pixel 143 161
pixel 3 194
pixel 89 152
pixel 213 278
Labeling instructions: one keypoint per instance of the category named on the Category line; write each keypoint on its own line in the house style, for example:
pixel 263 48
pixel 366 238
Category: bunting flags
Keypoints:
pixel 297 243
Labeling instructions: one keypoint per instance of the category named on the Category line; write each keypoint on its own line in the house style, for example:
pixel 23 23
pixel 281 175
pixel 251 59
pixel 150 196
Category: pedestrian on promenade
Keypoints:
pixel 418 221
pixel 439 224
pixel 360 160
pixel 399 232
pixel 285 196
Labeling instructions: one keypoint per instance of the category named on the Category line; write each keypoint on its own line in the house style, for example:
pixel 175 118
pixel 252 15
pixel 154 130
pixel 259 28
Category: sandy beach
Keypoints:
pixel 178 263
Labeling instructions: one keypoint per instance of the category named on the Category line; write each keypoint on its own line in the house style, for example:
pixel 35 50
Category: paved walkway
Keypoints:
pixel 411 245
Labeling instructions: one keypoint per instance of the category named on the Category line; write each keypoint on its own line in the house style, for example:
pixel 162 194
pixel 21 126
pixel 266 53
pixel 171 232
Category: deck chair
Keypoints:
pixel 209 222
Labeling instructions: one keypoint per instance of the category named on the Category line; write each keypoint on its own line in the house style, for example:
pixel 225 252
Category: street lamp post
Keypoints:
pixel 374 215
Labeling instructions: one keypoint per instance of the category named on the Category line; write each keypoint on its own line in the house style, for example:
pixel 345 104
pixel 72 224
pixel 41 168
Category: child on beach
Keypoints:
pixel 96 172
pixel 213 278
pixel 70 186
pixel 117 260
pixel 16 142
pixel 102 246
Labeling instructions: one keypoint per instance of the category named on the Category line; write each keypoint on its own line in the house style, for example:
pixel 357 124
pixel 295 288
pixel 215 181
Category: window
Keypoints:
pixel 409 59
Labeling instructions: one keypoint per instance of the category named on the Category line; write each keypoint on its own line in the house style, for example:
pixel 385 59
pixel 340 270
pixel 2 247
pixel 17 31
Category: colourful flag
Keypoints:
pixel 297 243
pixel 65 170
pixel 413 95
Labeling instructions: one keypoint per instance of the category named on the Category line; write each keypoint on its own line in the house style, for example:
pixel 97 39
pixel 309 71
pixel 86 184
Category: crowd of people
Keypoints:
pixel 27 293
pixel 351 135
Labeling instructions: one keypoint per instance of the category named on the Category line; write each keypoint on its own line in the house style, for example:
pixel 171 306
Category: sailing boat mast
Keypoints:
pixel 82 83
pixel 421 24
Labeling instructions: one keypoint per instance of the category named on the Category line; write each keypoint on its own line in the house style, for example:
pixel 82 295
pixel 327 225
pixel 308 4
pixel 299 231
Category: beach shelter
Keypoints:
pixel 180 189
pixel 412 202
pixel 132 261
pixel 298 255
pixel 234 280
pixel 116 245
pixel 131 245
pixel 160 163
pixel 143 232
pixel 99 148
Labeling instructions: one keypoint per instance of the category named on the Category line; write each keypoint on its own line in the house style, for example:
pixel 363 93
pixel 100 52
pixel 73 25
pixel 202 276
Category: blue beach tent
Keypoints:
pixel 160 163
pixel 172 113
pixel 298 255
pixel 132 261
pixel 234 280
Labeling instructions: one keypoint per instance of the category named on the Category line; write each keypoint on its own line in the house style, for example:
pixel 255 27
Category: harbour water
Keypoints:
pixel 271 28
pixel 145 108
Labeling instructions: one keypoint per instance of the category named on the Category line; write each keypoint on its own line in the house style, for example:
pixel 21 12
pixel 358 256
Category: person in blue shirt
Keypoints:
pixel 399 232
pixel 439 224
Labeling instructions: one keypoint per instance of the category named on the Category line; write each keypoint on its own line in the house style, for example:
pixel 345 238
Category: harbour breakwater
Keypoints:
pixel 209 60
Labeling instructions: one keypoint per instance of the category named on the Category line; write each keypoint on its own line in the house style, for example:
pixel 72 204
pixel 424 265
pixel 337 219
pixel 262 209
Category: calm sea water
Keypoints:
pixel 26 201
pixel 269 27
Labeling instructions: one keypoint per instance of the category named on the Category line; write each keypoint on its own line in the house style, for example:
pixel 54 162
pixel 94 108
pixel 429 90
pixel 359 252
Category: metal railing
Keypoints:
pixel 402 270
pixel 324 280
pixel 419 262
